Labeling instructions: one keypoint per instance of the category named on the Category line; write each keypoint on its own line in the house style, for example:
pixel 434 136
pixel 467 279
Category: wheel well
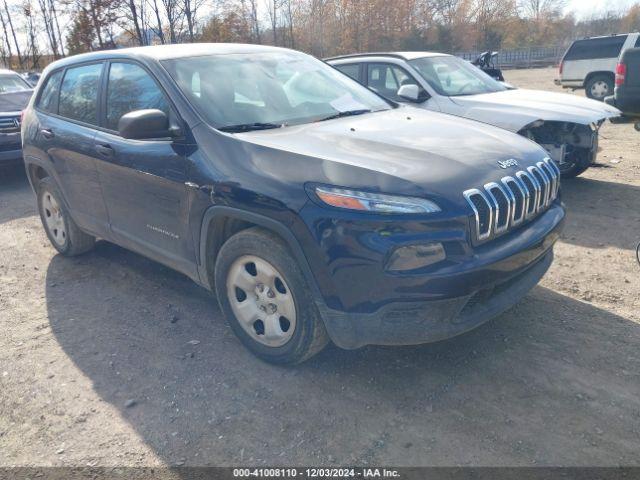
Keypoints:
pixel 220 229
pixel 36 173
pixel 593 74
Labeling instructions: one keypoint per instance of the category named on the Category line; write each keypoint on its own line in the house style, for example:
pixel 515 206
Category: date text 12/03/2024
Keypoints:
pixel 315 473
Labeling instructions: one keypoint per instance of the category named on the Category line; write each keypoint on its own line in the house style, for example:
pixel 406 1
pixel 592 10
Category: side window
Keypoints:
pixel 79 93
pixel 131 88
pixel 49 95
pixel 608 47
pixel 351 69
pixel 386 79
pixel 637 44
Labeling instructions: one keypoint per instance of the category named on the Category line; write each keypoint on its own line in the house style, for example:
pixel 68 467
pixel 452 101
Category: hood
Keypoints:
pixel 426 151
pixel 514 109
pixel 13 102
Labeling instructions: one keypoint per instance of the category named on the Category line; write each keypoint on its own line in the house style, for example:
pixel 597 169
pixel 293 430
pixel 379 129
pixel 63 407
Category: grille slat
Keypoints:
pixel 498 206
pixel 9 124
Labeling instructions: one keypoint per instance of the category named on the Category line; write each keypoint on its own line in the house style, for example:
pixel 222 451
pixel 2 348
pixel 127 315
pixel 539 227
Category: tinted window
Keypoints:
pixel 131 88
pixel 637 44
pixel 79 93
pixel 608 47
pixel 386 79
pixel 353 70
pixel 49 95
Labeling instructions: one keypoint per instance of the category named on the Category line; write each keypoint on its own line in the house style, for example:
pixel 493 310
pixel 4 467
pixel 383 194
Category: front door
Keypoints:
pixel 143 181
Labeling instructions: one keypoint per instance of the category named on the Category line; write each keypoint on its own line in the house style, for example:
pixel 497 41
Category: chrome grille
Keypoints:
pixel 9 124
pixel 499 206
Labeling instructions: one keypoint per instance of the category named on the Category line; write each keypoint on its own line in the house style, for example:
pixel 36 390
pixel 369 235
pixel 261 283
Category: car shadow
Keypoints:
pixel 594 203
pixel 553 381
pixel 16 197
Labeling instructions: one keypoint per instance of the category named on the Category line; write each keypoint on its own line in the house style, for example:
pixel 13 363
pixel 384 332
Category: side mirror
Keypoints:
pixel 143 124
pixel 413 93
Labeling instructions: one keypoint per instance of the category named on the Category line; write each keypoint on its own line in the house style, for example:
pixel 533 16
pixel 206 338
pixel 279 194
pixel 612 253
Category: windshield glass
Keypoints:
pixel 12 83
pixel 268 90
pixel 452 76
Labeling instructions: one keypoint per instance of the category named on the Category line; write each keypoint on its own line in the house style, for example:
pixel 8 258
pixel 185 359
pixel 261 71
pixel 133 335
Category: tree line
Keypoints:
pixel 35 32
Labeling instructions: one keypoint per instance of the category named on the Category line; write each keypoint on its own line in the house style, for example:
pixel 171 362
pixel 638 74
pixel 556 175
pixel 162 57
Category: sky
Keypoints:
pixel 585 8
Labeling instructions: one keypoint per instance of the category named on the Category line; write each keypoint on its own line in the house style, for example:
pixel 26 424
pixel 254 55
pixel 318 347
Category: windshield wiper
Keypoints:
pixel 247 127
pixel 347 113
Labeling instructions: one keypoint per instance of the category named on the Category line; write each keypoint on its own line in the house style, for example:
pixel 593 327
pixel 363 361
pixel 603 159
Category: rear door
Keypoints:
pixel 67 112
pixel 143 181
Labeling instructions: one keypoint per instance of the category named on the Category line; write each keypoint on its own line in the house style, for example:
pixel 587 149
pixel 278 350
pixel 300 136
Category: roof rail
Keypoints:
pixel 368 54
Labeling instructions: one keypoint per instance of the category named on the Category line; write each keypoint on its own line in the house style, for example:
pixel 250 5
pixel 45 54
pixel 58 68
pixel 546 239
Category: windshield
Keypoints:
pixel 13 83
pixel 240 92
pixel 452 76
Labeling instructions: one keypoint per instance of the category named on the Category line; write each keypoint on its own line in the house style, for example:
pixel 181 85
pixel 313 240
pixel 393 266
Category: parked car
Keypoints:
pixel 343 217
pixel 565 125
pixel 590 63
pixel 626 96
pixel 15 93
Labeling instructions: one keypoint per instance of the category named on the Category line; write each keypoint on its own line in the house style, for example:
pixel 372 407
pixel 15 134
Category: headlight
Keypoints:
pixel 374 202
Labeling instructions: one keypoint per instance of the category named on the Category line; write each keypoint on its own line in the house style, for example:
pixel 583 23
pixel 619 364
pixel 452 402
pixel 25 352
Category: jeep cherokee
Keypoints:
pixel 314 208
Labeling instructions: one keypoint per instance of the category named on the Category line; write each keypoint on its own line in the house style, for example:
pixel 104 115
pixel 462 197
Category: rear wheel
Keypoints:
pixel 63 233
pixel 599 86
pixel 266 299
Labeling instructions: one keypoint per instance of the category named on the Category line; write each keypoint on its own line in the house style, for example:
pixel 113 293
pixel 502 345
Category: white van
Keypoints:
pixel 590 63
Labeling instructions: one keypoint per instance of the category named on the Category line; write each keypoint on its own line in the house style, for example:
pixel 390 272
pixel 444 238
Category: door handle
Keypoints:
pixel 105 150
pixel 208 189
pixel 47 133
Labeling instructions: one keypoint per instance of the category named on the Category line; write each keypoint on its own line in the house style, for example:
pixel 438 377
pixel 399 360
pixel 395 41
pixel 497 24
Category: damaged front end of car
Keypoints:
pixel 573 146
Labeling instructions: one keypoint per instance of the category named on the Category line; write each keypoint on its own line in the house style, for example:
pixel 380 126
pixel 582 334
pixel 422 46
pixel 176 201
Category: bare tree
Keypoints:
pixel 7 54
pixel 190 8
pixel 13 34
pixel 272 8
pixel 49 26
pixel 32 42
pixel 539 9
pixel 159 29
pixel 173 14
pixel 250 12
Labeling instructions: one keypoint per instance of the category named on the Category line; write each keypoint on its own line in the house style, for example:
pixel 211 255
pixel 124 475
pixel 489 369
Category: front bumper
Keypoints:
pixel 448 301
pixel 431 321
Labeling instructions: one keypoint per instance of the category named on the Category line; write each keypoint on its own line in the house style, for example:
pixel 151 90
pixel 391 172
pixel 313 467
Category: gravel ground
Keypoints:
pixel 110 359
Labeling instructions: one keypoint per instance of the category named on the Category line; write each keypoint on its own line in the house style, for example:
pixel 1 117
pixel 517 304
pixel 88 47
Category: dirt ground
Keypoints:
pixel 100 362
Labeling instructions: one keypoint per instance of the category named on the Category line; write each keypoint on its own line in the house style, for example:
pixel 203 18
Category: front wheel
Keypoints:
pixel 266 299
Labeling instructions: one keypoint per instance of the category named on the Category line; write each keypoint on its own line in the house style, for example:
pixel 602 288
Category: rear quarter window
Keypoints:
pixel 351 69
pixel 590 49
pixel 49 97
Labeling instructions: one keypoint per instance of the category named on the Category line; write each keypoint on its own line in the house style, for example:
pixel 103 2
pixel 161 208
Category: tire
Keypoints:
pixel 575 170
pixel 599 86
pixel 254 268
pixel 65 236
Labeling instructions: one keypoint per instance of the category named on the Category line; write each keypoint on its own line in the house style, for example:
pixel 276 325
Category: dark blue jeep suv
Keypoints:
pixel 315 209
